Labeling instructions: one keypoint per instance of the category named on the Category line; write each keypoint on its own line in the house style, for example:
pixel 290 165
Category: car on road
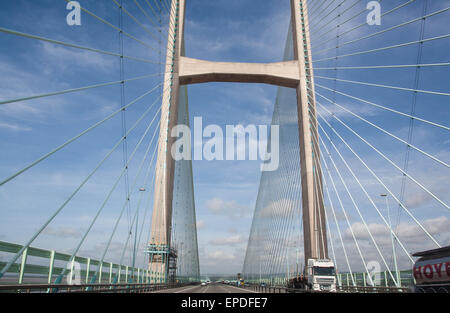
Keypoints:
pixel 203 284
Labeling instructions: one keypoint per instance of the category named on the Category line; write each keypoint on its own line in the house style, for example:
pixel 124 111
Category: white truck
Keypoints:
pixel 320 275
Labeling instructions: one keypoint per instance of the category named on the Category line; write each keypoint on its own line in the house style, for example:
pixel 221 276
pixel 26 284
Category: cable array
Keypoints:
pixel 371 85
pixel 137 168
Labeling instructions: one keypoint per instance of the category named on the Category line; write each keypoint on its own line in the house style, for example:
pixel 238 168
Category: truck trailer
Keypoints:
pixel 432 271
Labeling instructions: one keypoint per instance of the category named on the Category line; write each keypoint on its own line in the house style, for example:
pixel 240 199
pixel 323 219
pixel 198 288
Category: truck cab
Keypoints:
pixel 321 275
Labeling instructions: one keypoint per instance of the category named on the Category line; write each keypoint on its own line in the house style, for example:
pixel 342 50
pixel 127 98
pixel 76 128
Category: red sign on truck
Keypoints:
pixel 432 271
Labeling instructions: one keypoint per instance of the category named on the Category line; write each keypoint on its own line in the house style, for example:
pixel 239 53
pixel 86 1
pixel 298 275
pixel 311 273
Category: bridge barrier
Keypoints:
pixel 382 279
pixel 86 288
pixel 46 265
pixel 370 289
pixel 341 289
pixel 344 279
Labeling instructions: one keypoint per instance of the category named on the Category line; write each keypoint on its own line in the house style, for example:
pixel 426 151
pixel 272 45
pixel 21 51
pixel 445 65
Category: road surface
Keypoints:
pixel 210 288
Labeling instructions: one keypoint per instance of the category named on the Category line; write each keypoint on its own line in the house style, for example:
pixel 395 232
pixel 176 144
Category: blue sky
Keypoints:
pixel 225 191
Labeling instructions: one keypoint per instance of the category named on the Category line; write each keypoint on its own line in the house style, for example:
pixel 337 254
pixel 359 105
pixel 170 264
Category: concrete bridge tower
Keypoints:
pixel 298 74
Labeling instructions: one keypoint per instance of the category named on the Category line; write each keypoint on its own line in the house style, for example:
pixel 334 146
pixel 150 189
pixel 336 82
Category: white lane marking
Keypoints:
pixel 185 289
pixel 241 289
pixel 205 289
pixel 161 291
pixel 221 286
pixel 181 289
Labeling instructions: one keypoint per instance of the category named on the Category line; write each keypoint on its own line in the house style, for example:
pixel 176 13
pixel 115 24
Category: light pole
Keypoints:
pixel 287 257
pixel 397 274
pixel 181 264
pixel 260 270
pixel 292 245
pixel 142 189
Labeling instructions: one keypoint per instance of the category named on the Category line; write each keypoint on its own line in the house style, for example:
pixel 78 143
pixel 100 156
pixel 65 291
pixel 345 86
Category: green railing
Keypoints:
pixel 344 279
pixel 384 279
pixel 44 268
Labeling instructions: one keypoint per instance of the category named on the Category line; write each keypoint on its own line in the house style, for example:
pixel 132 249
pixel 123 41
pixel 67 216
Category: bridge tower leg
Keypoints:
pixel 159 247
pixel 314 227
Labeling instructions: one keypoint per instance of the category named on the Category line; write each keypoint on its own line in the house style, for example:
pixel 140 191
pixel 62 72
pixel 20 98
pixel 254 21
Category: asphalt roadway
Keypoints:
pixel 210 288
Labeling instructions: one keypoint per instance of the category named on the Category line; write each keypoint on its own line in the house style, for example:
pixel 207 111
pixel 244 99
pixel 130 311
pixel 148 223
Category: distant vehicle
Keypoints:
pixel 320 276
pixel 240 280
pixel 203 283
pixel 432 271
pixel 263 284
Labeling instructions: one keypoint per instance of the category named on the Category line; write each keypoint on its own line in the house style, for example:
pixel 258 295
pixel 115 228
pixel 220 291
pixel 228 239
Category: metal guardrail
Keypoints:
pixel 145 288
pixel 268 289
pixel 273 289
pixel 340 289
pixel 406 278
pixel 106 270
pixel 370 289
pixel 86 288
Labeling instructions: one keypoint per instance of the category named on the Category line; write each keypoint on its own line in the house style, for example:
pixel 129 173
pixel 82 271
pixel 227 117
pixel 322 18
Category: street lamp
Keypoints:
pixel 260 269
pixel 142 189
pixel 398 283
pixel 287 255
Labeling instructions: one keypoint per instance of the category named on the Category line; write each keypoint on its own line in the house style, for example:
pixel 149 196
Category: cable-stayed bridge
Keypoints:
pixel 362 130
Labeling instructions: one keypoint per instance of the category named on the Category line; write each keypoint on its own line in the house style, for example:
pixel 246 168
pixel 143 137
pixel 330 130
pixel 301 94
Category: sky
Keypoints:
pixel 225 191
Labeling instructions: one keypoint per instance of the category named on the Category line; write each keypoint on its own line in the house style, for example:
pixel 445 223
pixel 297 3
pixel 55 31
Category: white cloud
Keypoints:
pixel 66 58
pixel 417 199
pixel 63 232
pixel 14 127
pixel 280 208
pixel 201 224
pixel 229 241
pixel 324 108
pixel 408 231
pixel 16 83
pixel 233 230
pixel 231 208
pixel 222 261
pixel 221 256
pixel 412 237
pixel 360 231
pixel 340 216
pixel 435 226
pixel 267 44
pixel 114 253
